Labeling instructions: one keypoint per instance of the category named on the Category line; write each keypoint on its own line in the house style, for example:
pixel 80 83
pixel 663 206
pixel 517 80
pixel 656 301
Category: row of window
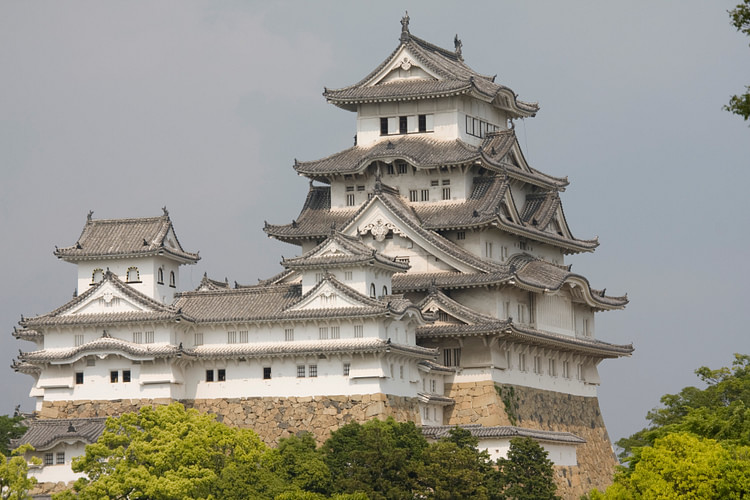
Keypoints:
pixel 138 338
pixel 405 124
pixel 373 291
pixel 242 336
pixel 479 128
pixel 319 276
pixel 114 377
pixel 551 366
pixel 49 458
pixel 311 371
pixel 133 275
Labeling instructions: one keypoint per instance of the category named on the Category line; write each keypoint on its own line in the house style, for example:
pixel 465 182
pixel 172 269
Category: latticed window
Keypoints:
pixel 137 337
pixel 232 337
pixel 221 374
pixel 288 334
pixel 243 336
pixel 446 193
pixel 149 337
pixel 359 331
pixel 323 332
pixel 313 370
pixel 413 196
pixel 60 457
pixel 401 168
pixel 78 339
pixel 49 458
pixel 126 376
pixel 300 371
pixel 335 332
pixel 350 200
pixel 347 369
pixel 198 339
pixel 452 357
pixel 425 195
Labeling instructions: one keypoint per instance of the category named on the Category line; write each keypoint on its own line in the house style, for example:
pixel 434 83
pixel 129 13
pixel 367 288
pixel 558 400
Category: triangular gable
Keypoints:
pixel 402 65
pixel 331 294
pixel 107 299
pixel 378 218
pixel 450 311
pixel 441 314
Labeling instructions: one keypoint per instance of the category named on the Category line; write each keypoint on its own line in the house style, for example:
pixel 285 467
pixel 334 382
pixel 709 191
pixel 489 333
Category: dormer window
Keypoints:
pixel 133 276
pixel 160 276
pixel 97 276
pixel 171 279
pixel 372 290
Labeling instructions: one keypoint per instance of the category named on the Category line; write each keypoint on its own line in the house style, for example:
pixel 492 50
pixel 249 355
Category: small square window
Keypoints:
pixel 288 334
pixel 434 182
pixel 126 376
pixel 60 458
pixel 347 369
pixel 49 458
pixel 335 332
pixel 359 331
pixel 78 340
pixel 149 337
pixel 113 376
pixel 198 339
pixel 313 370
pixel 401 168
pixel 266 373
pixel 300 371
pixel 221 374
pixel 209 375
pixel 79 378
pixel 461 235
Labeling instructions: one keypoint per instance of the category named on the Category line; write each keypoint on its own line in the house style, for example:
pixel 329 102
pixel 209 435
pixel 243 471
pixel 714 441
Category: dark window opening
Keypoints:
pixel 422 123
pixel 222 374
pixel 79 378
pixel 391 170
pixel 267 373
pixel 49 458
pixel 113 377
pixel 160 276
pixel 209 375
pixel 126 376
pixel 171 279
pixel 384 126
pixel 401 124
pixel 60 458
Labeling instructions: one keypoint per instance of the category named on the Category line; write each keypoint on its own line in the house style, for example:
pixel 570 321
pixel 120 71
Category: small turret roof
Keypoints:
pixel 125 238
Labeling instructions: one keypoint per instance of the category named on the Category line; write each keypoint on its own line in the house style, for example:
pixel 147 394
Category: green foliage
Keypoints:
pixel 298 464
pixel 15 482
pixel 740 104
pixel 10 428
pixel 377 458
pixel 683 466
pixel 721 411
pixel 168 452
pixel 510 401
pixel 526 473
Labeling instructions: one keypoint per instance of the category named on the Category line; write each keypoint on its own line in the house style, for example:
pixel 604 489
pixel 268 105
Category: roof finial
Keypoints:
pixel 405 27
pixel 90 215
pixel 457 44
pixel 166 212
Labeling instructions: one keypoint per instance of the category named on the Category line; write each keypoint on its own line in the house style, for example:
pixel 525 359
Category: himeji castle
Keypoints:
pixel 430 285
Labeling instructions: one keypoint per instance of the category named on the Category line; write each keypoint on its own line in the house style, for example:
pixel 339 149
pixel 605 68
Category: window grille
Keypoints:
pixel 313 370
pixel 289 334
pixel 359 331
pixel 335 332
pixel 323 332
pixel 149 337
pixel 347 369
pixel 198 339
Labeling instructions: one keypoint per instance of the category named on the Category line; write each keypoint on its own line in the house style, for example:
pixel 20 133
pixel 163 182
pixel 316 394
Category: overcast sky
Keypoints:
pixel 124 107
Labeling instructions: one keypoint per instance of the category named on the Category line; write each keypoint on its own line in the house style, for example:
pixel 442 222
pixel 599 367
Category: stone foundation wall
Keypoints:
pixel 271 418
pixel 483 403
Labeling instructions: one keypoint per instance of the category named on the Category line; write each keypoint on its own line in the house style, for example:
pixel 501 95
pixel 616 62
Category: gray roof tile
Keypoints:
pixel 45 434
pixel 442 431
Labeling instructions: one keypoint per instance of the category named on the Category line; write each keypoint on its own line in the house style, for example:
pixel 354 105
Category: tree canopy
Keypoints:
pixel 526 473
pixel 10 428
pixel 740 104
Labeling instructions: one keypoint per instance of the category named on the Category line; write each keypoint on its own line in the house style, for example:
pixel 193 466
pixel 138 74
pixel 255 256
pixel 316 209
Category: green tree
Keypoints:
pixel 683 466
pixel 168 452
pixel 15 482
pixel 10 428
pixel 299 465
pixel 453 468
pixel 378 458
pixel 740 15
pixel 721 411
pixel 526 473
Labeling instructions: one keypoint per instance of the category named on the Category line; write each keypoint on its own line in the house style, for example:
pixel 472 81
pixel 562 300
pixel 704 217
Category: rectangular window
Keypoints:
pixel 469 129
pixel 79 378
pixel 335 332
pixel 90 362
pixel 349 200
pixel 49 458
pixel 243 336
pixel 319 277
pixel 360 188
pixel 522 362
pixel 579 371
pixel 452 357
pixel 198 339
pixel 522 245
pixel 422 123
pixel 566 369
pixel 461 235
pixel 231 337
pixel 349 189
pixel 402 124
pixel 433 385
pixel 209 375
pixel 552 368
pixel 359 331
pixel 384 126
pixel 126 376
pixel 222 374
pixel 488 249
pixel 149 337
pixel 60 458
pixel 78 340
pixel 323 332
pixel 391 170
pixel 521 313
pixel 586 327
pixel 347 275
pixel 538 365
pixel 446 193
pixel 137 337
pixel 446 182
pixel 401 371
pixel 300 371
pixel 266 373
pixel 401 167
pixel 113 376
pixel 425 195
pixel 288 334
pixel 347 369
pixel 413 195
pixel 434 182
pixel 313 370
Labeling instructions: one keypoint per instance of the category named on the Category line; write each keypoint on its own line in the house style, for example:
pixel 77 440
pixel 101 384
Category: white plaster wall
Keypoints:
pixel 65 337
pixel 147 268
pixel 559 453
pixel 554 313
pixel 57 473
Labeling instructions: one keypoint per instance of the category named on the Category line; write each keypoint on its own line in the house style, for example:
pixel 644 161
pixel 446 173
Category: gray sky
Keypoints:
pixel 124 107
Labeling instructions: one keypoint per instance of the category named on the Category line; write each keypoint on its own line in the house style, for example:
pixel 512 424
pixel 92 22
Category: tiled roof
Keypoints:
pixel 436 367
pixel 481 432
pixel 102 344
pixel 428 397
pixel 27 334
pixel 411 282
pixel 454 308
pixel 155 311
pixel 117 238
pixel 207 284
pixel 45 434
pixel 461 330
pixel 420 151
pixel 315 220
pixel 453 77
pixel 356 253
pixel 532 336
pixel 313 347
